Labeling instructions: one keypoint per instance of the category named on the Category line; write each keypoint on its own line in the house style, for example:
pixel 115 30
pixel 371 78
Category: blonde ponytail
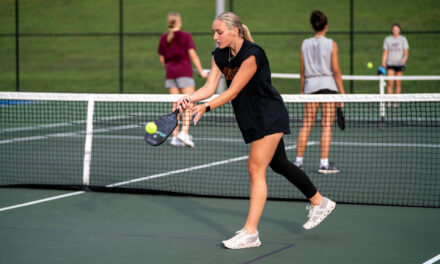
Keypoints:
pixel 232 20
pixel 247 34
pixel 173 17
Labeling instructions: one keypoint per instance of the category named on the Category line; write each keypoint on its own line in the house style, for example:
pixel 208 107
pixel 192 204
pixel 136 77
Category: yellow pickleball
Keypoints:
pixel 151 128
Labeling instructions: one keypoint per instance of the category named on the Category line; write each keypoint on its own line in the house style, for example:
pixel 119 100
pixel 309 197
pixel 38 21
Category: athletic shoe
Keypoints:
pixel 175 142
pixel 396 105
pixel 186 139
pixel 299 165
pixel 330 169
pixel 389 104
pixel 242 239
pixel 319 212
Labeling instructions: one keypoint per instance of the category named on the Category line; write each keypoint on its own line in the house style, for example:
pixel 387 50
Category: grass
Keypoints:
pixel 91 63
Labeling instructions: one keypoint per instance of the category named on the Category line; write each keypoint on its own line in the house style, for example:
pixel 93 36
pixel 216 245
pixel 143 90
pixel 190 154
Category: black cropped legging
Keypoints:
pixel 280 164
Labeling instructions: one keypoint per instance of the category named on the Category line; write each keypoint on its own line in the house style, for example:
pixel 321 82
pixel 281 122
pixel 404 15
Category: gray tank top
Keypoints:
pixel 317 54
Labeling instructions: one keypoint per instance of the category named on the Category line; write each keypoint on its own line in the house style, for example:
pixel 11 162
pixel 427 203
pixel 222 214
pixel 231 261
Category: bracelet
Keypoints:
pixel 207 108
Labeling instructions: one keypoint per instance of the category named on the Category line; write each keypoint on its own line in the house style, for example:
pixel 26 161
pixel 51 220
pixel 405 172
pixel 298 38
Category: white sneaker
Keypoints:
pixel 242 239
pixel 298 164
pixel 329 169
pixel 186 139
pixel 319 212
pixel 175 142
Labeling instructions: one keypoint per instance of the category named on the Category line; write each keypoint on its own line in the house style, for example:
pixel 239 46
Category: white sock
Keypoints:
pixel 299 160
pixel 324 162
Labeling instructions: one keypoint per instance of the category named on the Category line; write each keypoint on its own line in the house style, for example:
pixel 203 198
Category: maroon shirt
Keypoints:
pixel 176 55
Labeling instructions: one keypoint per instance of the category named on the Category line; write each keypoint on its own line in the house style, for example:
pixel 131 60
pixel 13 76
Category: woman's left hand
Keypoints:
pixel 197 112
pixel 404 60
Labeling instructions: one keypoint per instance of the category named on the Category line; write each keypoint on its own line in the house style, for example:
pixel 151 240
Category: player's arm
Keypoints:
pixel 162 60
pixel 405 56
pixel 247 69
pixel 336 70
pixel 302 77
pixel 206 91
pixel 384 58
pixel 196 61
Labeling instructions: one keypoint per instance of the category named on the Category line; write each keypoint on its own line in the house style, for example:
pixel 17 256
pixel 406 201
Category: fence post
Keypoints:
pixel 121 47
pixel 351 43
pixel 220 8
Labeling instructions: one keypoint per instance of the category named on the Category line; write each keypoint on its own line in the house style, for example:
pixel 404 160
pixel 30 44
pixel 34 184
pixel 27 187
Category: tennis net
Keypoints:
pixel 367 84
pixel 386 155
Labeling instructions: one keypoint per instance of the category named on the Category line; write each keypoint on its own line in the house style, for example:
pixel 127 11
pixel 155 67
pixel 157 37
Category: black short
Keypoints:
pixel 396 68
pixel 325 91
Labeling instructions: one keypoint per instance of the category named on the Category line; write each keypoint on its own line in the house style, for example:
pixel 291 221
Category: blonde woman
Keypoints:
pixel 262 118
pixel 176 48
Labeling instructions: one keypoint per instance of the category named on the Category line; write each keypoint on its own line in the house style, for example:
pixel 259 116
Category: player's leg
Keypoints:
pixel 174 90
pixel 328 117
pixel 320 206
pixel 391 72
pixel 280 164
pixel 260 155
pixel 398 86
pixel 399 83
pixel 186 120
pixel 186 85
pixel 309 116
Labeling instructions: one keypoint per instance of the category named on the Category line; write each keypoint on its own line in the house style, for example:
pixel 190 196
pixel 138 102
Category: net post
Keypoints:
pixel 88 143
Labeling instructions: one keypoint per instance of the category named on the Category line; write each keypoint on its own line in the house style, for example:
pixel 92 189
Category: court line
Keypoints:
pixel 217 163
pixel 42 200
pixel 433 260
pixel 71 123
pixel 80 133
pixel 212 164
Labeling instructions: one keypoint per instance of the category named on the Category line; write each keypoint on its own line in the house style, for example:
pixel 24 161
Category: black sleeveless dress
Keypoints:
pixel 259 108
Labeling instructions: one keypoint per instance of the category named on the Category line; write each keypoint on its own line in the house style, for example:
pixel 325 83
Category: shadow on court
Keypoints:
pixel 125 228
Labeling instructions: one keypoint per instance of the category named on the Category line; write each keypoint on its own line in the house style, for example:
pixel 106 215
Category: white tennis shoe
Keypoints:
pixel 175 142
pixel 186 139
pixel 319 212
pixel 242 239
pixel 329 169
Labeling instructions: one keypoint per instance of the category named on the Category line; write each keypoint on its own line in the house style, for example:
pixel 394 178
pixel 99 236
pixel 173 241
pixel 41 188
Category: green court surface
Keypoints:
pixel 126 228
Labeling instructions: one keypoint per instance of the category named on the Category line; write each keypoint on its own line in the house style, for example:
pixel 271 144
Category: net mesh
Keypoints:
pixel 386 155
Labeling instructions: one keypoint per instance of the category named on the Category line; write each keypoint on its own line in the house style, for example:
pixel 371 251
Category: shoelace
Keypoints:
pixel 241 232
pixel 239 236
pixel 310 209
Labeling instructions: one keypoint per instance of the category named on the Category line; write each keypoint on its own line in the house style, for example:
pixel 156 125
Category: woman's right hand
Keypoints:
pixel 203 74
